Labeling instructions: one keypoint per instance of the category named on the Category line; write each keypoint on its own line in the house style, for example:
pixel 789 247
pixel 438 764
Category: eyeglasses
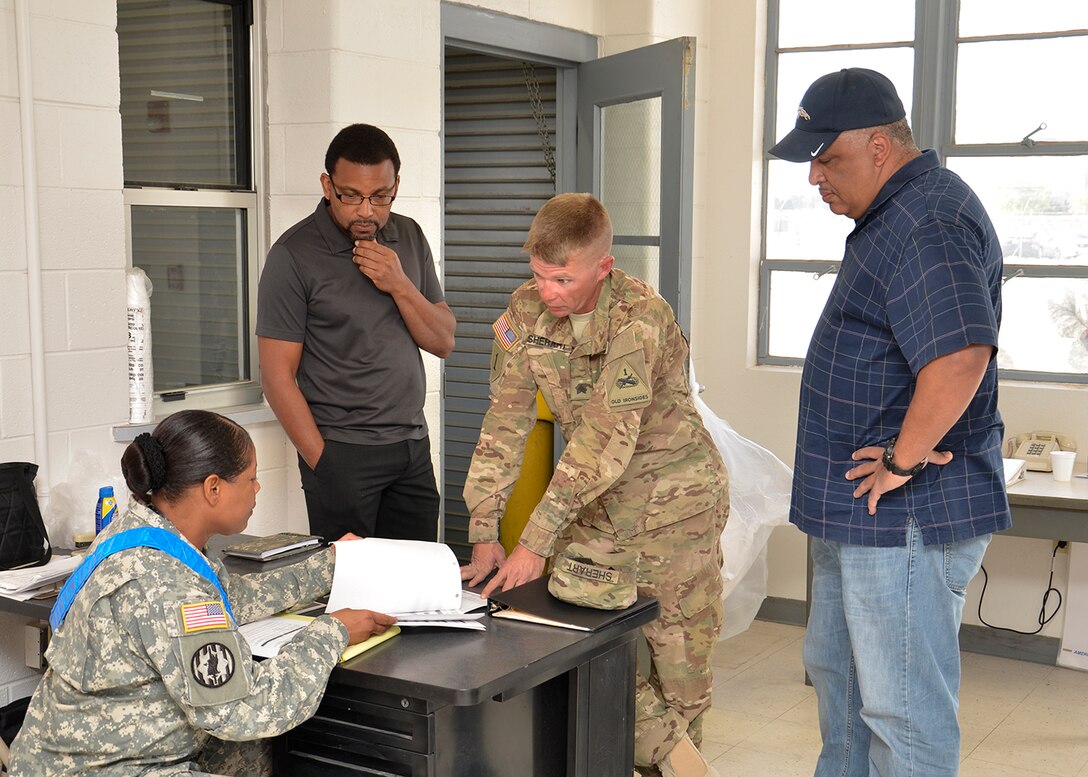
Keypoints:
pixel 376 200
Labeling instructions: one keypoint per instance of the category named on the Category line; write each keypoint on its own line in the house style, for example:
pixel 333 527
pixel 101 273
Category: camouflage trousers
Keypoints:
pixel 680 565
pixel 219 758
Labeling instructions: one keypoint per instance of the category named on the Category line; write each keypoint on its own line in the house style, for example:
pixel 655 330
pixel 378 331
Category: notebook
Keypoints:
pixel 532 603
pixel 273 546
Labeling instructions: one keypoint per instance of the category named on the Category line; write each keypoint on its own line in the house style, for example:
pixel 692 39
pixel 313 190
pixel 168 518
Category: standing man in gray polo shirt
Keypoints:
pixel 347 298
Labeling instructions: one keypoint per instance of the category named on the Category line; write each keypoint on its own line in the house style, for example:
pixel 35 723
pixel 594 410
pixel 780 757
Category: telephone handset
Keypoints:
pixel 1035 448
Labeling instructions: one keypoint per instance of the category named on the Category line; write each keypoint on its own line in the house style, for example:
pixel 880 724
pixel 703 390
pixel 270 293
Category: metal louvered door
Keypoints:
pixel 497 175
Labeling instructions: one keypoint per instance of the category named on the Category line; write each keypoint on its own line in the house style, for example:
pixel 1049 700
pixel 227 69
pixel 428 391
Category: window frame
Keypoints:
pixel 936 41
pixel 251 144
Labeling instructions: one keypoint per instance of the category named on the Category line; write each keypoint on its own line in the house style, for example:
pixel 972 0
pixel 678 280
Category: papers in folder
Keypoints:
pixel 267 635
pixel 531 602
pixel 417 582
pixel 23 584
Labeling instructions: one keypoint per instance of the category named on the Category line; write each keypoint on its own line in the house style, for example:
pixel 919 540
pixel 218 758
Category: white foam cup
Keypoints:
pixel 1061 463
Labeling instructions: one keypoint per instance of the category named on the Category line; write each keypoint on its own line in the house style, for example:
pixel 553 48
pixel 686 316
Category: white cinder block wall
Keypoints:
pixel 327 63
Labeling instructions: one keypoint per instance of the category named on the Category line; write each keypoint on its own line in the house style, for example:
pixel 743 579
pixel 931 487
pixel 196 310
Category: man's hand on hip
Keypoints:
pixel 876 480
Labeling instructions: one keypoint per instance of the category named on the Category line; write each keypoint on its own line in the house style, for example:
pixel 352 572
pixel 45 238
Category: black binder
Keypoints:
pixel 532 603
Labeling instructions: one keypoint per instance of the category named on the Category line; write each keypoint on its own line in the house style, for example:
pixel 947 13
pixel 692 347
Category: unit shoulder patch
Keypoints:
pixel 628 387
pixel 213 668
pixel 499 359
pixel 212 664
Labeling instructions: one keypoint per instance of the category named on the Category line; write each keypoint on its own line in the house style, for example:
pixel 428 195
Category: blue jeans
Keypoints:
pixel 882 649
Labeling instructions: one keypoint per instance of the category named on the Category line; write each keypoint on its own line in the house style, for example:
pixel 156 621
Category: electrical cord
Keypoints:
pixel 1043 617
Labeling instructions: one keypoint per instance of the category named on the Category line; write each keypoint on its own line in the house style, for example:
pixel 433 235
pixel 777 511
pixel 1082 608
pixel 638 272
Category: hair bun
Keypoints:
pixel 156 462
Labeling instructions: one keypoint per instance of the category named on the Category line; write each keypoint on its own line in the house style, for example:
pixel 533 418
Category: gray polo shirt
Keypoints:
pixel 360 372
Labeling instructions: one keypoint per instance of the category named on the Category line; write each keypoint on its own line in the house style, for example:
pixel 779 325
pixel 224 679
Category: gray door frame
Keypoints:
pixel 665 70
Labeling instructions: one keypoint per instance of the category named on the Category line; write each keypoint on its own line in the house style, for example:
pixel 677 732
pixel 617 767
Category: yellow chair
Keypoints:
pixel 536 472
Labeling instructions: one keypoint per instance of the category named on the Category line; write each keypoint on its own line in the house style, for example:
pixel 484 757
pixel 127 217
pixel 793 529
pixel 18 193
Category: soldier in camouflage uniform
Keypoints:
pixel 148 673
pixel 639 471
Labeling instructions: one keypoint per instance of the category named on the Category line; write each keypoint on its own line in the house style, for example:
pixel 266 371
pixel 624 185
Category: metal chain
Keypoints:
pixel 533 87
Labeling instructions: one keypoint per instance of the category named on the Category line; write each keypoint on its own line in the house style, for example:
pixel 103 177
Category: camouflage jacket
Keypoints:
pixel 637 456
pixel 142 670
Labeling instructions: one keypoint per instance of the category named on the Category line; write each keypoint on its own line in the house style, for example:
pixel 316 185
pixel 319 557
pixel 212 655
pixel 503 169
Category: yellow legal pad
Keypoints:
pixel 268 635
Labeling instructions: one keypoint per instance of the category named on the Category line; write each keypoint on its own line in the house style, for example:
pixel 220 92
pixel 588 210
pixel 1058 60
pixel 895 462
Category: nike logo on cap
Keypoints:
pixel 817 151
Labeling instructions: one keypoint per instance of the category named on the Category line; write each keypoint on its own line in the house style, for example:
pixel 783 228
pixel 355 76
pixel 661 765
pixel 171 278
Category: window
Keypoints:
pixel 189 191
pixel 993 90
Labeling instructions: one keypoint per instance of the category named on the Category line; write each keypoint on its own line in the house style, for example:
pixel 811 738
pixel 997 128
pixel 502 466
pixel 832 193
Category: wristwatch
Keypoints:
pixel 889 462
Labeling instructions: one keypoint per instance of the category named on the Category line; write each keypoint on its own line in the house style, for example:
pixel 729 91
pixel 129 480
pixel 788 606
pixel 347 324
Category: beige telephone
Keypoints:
pixel 1035 448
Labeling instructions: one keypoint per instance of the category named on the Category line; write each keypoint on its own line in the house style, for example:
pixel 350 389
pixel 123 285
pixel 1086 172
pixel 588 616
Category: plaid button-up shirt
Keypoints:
pixel 920 278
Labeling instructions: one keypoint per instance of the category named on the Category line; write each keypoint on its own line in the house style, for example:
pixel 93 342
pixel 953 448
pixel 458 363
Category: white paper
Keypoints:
pixel 397 577
pixel 474 625
pixel 32 578
pixel 1014 470
pixel 267 635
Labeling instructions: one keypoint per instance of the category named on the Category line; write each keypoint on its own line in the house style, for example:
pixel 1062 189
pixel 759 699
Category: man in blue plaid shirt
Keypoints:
pixel 901 373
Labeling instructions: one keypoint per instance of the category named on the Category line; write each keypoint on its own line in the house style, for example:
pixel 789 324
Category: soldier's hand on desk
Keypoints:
pixel 522 567
pixel 486 556
pixel 381 264
pixel 363 624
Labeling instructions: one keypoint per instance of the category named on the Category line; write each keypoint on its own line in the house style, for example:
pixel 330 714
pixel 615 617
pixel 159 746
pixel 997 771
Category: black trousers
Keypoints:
pixel 372 490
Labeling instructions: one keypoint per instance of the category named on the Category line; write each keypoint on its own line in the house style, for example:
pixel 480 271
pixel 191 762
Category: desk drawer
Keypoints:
pixel 375 723
pixel 321 753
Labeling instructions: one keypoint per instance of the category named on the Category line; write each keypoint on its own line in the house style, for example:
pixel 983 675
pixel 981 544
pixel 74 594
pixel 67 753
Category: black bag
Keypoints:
pixel 23 539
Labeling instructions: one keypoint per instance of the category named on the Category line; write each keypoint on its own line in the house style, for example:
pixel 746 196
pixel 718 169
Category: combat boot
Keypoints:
pixel 685 760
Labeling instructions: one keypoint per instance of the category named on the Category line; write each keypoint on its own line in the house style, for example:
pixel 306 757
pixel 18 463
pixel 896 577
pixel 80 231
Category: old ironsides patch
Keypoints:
pixel 628 388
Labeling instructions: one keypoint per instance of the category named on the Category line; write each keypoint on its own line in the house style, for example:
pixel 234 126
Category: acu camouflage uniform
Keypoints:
pixel 639 472
pixel 130 690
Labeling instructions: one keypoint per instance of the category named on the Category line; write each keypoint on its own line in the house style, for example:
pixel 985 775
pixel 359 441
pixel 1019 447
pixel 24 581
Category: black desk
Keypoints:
pixel 519 700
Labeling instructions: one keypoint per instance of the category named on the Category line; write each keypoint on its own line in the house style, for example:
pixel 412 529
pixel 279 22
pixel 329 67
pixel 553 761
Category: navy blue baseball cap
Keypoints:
pixel 850 99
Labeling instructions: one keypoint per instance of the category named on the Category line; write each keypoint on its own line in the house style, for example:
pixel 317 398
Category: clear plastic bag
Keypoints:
pixel 70 509
pixel 759 500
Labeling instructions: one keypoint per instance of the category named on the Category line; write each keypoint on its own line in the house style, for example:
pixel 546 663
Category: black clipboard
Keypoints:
pixel 531 603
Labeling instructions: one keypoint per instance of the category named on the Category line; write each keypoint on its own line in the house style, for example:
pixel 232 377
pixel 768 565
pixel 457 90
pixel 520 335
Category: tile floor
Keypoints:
pixel 1017 719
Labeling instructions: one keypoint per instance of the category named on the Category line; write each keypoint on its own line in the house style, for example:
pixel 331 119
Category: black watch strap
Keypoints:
pixel 889 462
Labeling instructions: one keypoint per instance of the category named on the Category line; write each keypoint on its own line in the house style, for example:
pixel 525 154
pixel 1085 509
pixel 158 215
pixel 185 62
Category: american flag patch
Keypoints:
pixel 505 333
pixel 206 615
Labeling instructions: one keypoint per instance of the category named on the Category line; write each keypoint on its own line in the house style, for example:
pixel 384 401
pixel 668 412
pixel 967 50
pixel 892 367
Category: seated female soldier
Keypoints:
pixel 148 673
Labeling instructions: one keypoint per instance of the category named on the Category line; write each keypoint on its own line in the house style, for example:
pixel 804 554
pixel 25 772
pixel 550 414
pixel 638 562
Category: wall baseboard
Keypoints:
pixel 973 639
pixel 1023 647
pixel 780 610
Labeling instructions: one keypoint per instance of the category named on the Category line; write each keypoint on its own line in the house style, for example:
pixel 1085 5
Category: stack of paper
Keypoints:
pixel 267 635
pixel 417 582
pixel 23 584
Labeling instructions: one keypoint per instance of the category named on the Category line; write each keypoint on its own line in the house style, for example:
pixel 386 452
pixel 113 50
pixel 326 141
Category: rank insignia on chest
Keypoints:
pixel 583 388
pixel 203 616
